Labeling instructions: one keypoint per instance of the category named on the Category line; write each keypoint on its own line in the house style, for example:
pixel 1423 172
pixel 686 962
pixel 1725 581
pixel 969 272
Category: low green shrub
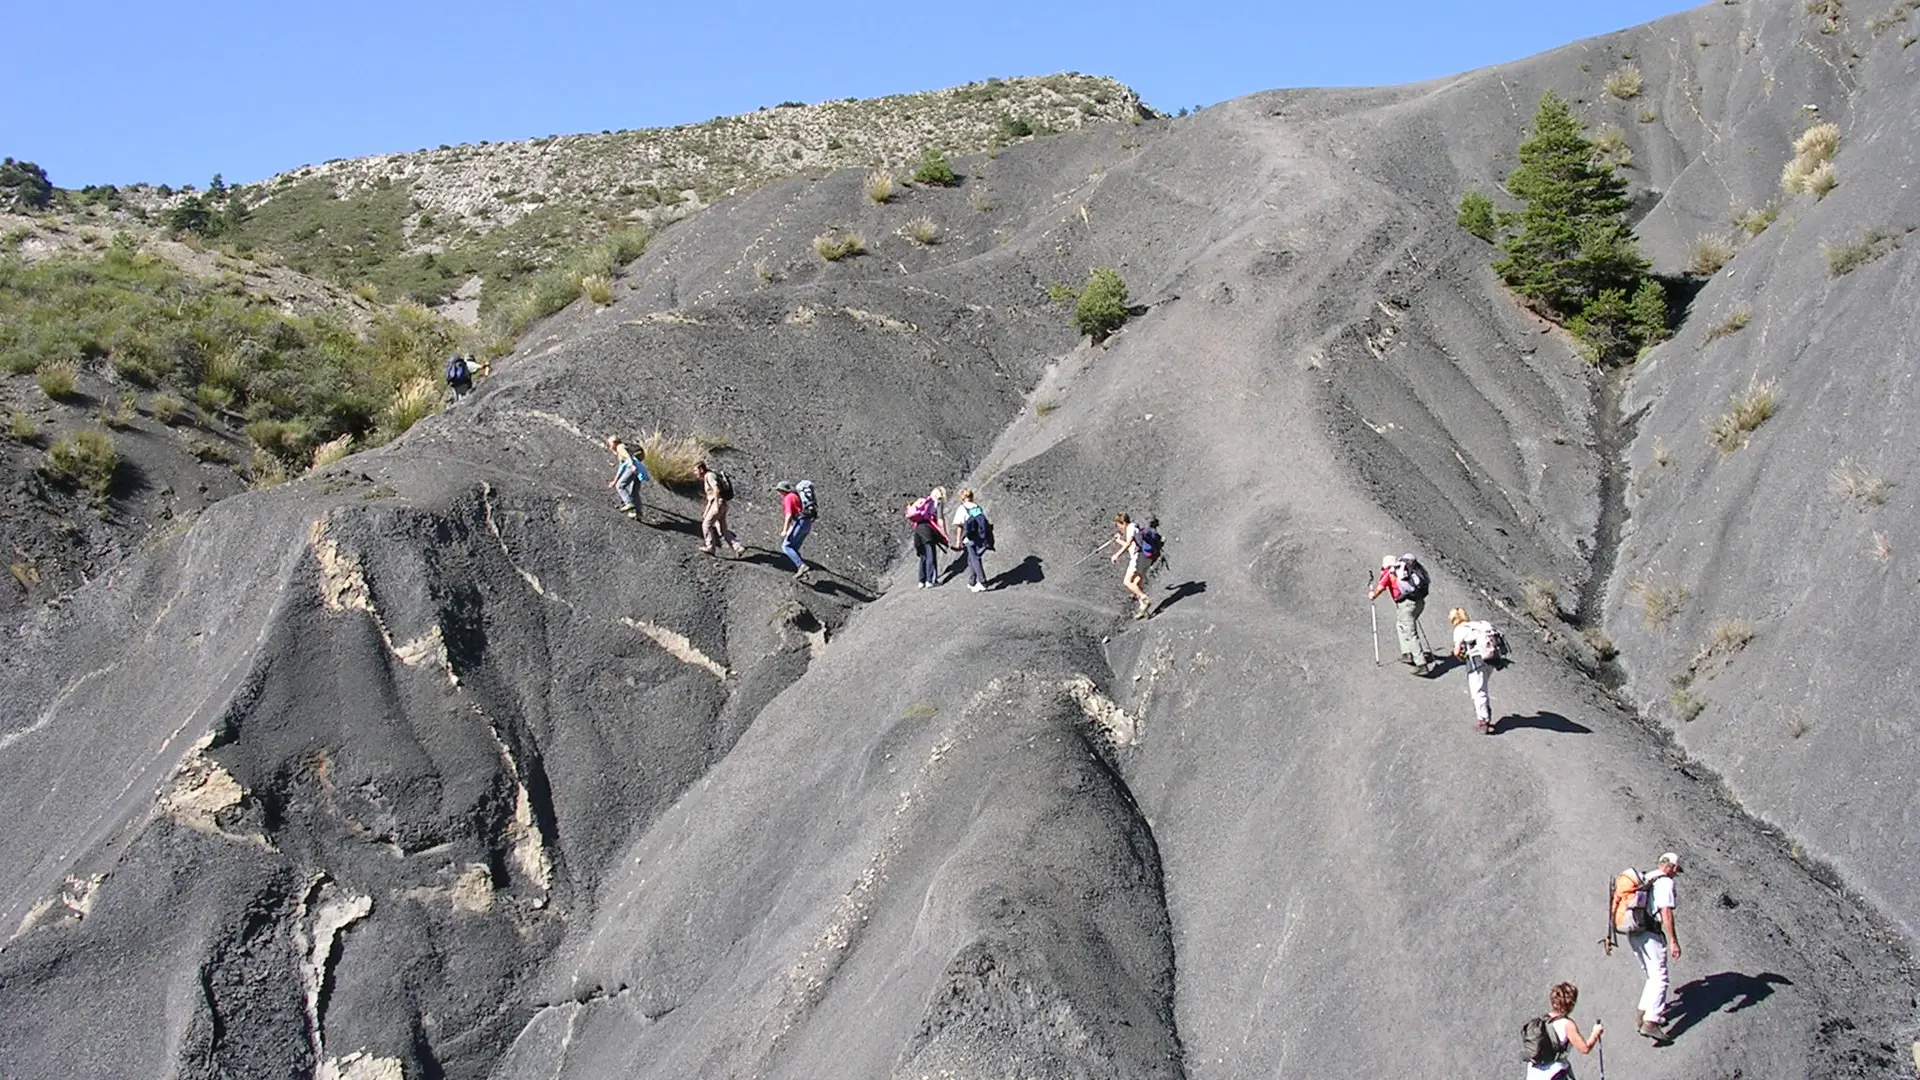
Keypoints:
pixel 934 170
pixel 1101 307
pixel 57 379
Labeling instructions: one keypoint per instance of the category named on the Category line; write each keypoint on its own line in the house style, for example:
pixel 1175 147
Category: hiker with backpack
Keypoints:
pixel 1642 907
pixel 1481 645
pixel 1405 581
pixel 970 524
pixel 1143 546
pixel 718 489
pixel 929 538
pixel 629 472
pixel 1546 1039
pixel 797 513
pixel 460 373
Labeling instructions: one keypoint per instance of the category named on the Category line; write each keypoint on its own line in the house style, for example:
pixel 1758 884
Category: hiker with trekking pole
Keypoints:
pixel 1546 1039
pixel 1405 582
pixel 1143 547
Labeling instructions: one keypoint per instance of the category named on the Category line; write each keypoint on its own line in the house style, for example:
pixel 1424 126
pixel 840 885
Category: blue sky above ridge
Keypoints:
pixel 119 92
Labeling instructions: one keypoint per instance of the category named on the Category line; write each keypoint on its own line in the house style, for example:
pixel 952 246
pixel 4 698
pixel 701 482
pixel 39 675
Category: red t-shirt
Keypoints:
pixel 790 504
pixel 1390 584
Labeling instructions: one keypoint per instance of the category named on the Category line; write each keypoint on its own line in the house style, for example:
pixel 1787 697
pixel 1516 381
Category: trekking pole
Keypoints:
pixel 1373 615
pixel 1601 1047
pixel 1095 551
pixel 1607 939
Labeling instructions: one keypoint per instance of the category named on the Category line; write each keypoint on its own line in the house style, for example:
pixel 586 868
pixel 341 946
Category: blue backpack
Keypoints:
pixel 979 530
pixel 1149 541
pixel 457 372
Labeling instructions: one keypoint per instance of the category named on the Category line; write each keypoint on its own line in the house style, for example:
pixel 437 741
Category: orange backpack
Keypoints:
pixel 1628 910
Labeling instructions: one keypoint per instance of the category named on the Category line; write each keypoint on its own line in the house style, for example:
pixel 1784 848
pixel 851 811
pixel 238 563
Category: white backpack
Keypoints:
pixel 1484 640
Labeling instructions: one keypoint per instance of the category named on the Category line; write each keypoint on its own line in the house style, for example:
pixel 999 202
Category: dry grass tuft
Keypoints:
pixel 1540 600
pixel 57 379
pixel 1729 326
pixel 331 451
pixel 1850 255
pixel 922 230
pixel 1727 637
pixel 1882 547
pixel 1811 171
pixel 22 428
pixel 1853 483
pixel 1662 453
pixel 417 399
pixel 167 408
pixel 1755 219
pixel 597 288
pixel 1708 255
pixel 880 186
pixel 1686 707
pixel 1610 146
pixel 1660 598
pixel 671 458
pixel 1624 83
pixel 1746 411
pixel 86 458
pixel 834 248
pixel 1818 142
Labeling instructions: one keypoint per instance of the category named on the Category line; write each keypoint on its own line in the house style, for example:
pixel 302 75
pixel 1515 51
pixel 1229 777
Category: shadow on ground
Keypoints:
pixel 1729 991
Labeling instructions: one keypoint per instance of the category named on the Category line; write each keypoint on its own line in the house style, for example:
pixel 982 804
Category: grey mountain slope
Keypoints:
pixel 500 784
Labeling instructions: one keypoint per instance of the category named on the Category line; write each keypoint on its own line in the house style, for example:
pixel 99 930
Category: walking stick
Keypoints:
pixel 1601 1047
pixel 1373 614
pixel 1097 550
pixel 1608 940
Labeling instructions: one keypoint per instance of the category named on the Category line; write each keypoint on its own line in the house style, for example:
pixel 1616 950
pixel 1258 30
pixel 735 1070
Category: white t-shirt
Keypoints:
pixel 1558 1065
pixel 1660 896
pixel 960 517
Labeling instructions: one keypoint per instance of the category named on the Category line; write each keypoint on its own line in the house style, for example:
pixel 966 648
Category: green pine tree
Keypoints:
pixel 1571 243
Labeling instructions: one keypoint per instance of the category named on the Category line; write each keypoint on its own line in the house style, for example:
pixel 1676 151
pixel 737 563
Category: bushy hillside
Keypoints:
pixel 433 763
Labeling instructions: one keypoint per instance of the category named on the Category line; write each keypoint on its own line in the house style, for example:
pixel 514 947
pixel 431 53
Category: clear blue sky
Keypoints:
pixel 115 91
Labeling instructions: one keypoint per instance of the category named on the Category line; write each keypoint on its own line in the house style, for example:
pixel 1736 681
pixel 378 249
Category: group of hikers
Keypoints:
pixel 933 529
pixel 1639 905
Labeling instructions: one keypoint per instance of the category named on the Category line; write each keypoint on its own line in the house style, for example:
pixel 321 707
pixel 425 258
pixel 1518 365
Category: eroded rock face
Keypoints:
pixel 435 764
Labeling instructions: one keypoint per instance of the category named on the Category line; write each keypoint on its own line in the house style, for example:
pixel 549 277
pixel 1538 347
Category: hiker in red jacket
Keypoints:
pixel 929 535
pixel 1405 581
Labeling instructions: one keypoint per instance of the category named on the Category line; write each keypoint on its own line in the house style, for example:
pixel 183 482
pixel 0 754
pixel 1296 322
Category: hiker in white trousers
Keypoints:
pixel 1653 947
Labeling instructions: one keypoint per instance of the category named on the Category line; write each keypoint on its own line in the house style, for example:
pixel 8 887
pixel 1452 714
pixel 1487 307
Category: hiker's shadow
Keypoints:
pixel 1545 721
pixel 1701 998
pixel 1181 592
pixel 1027 571
pixel 659 518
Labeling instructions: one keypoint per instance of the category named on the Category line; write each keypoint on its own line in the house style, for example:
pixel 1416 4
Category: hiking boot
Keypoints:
pixel 976 587
pixel 739 548
pixel 707 548
pixel 631 512
pixel 1483 727
pixel 1406 658
pixel 801 574
pixel 1655 1032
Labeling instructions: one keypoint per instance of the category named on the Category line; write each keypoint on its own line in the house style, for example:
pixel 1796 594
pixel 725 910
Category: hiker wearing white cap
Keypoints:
pixel 1655 945
pixel 1404 581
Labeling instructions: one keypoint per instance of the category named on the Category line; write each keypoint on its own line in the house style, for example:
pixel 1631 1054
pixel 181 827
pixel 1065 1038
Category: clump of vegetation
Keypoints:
pixel 1610 146
pixel 412 402
pixel 1569 252
pixel 1686 707
pixel 1660 598
pixel 1829 12
pixel 1540 600
pixel 1729 326
pixel 22 428
pixel 1727 637
pixel 24 187
pixel 234 352
pixel 597 288
pixel 1746 411
pixel 922 230
pixel 1662 453
pixel 671 458
pixel 331 451
pixel 1708 255
pixel 57 379
pixel 1476 215
pixel 1811 171
pixel 1854 483
pixel 935 171
pixel 1624 82
pixel 85 458
pixel 554 288
pixel 843 246
pixel 880 186
pixel 1850 255
pixel 1101 307
pixel 1755 219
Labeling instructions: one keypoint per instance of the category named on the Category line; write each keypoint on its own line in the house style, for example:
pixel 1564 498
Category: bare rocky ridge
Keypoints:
pixel 432 764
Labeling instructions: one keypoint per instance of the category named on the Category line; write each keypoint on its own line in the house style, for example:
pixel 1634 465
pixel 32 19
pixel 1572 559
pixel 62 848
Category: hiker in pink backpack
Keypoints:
pixel 929 538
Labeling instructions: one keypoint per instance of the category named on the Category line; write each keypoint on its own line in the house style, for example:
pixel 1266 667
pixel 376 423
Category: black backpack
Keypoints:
pixel 723 486
pixel 1537 1039
pixel 457 372
pixel 979 530
pixel 1150 542
pixel 1413 578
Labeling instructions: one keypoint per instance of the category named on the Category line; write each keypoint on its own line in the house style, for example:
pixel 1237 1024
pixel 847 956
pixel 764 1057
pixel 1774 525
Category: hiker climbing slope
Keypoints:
pixel 1546 1039
pixel 1643 906
pixel 1479 644
pixel 629 472
pixel 1142 545
pixel 797 513
pixel 714 533
pixel 975 532
pixel 1405 582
